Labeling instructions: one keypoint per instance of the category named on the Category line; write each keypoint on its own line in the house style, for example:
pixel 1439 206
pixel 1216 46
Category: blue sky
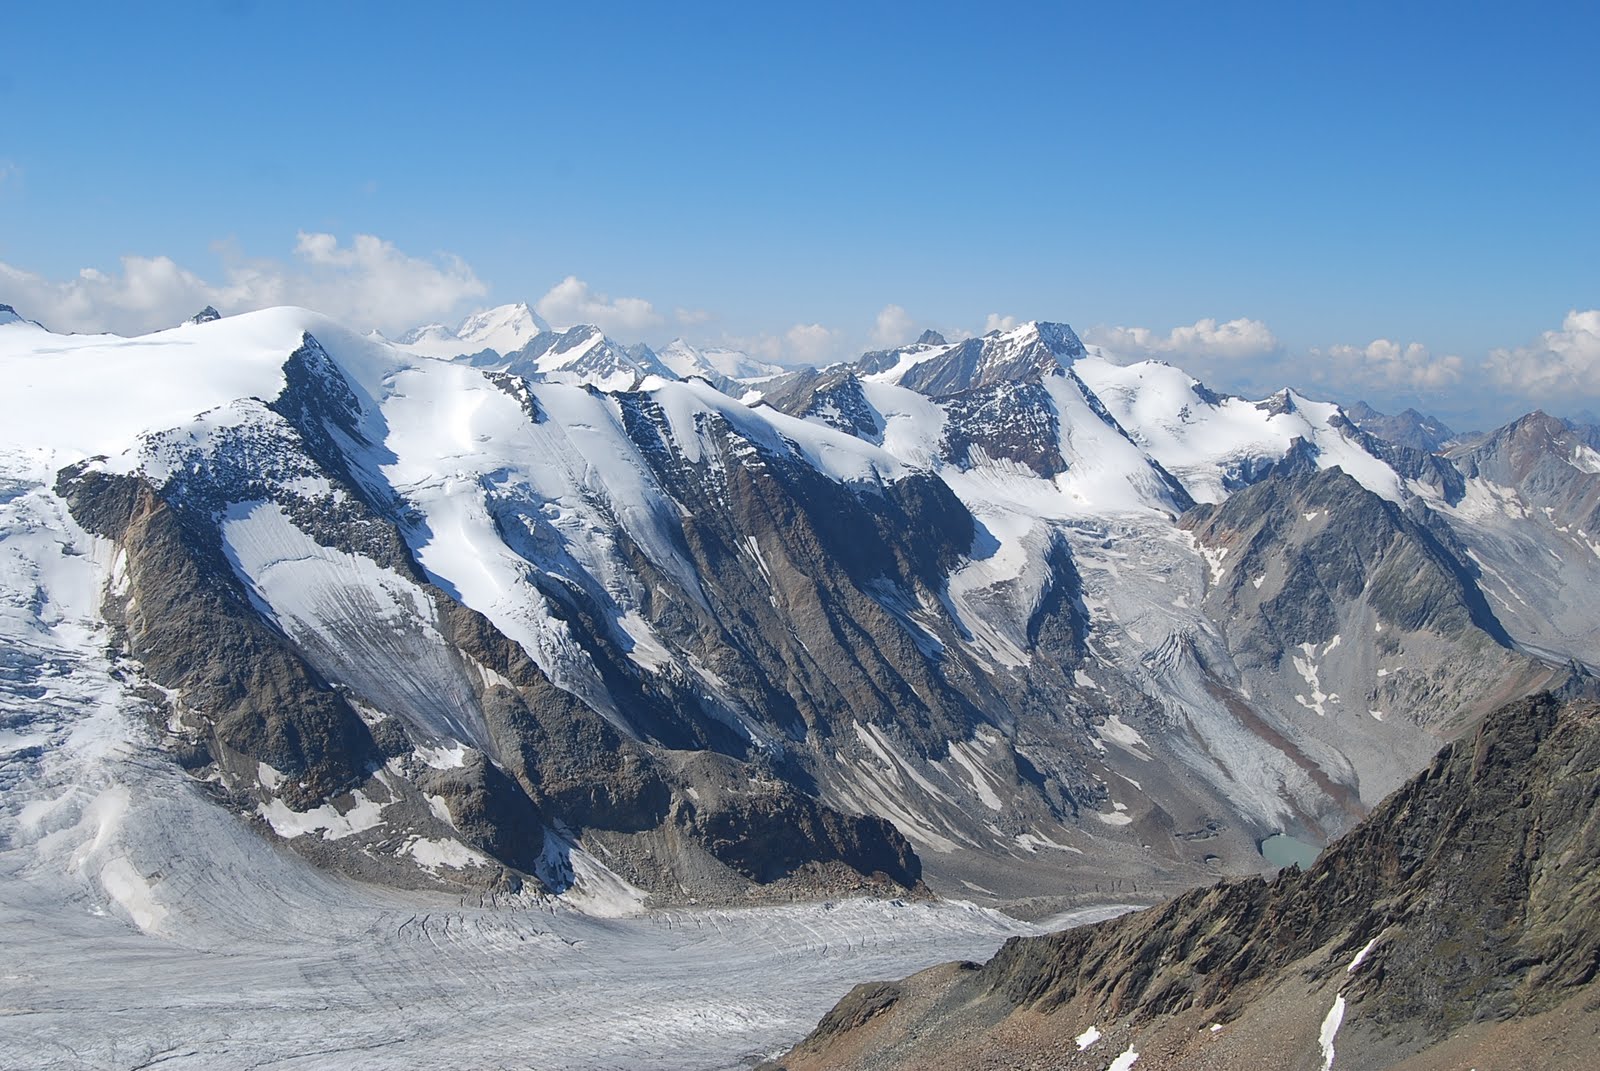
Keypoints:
pixel 1332 175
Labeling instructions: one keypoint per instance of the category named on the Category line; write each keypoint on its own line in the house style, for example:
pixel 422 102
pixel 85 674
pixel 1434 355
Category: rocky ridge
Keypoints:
pixel 1460 922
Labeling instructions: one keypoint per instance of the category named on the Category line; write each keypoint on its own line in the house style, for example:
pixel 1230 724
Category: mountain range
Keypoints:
pixel 995 607
pixel 509 612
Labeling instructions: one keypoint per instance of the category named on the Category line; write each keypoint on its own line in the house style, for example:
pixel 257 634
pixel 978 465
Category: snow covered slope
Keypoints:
pixel 1215 444
pixel 141 922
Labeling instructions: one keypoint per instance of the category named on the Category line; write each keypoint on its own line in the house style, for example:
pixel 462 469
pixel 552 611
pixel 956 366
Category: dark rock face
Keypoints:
pixel 1545 461
pixel 1471 895
pixel 205 316
pixel 491 812
pixel 258 699
pixel 817 646
pixel 833 396
pixel 987 361
pixel 1332 540
pixel 770 834
pixel 1013 421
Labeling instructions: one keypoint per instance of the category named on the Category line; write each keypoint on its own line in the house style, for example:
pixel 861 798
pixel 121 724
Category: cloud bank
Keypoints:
pixel 1557 365
pixel 571 302
pixel 368 283
pixel 1385 365
pixel 1231 340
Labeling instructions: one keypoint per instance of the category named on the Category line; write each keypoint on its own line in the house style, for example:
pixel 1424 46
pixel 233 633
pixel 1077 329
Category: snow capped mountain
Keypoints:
pixel 941 615
pixel 502 329
pixel 723 367
pixel 582 355
pixel 934 367
pixel 1215 444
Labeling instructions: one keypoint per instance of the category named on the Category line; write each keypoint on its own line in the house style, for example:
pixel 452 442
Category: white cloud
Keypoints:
pixel 372 282
pixel 996 322
pixel 808 343
pixel 1557 365
pixel 1385 365
pixel 894 327
pixel 693 317
pixel 802 344
pixel 572 302
pixel 1239 339
pixel 368 283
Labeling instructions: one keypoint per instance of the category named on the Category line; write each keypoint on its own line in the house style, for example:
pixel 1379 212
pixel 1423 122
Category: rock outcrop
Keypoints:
pixel 1458 924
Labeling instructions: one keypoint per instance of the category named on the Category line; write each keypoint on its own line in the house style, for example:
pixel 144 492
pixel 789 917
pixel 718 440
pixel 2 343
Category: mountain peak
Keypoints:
pixel 503 329
pixel 501 323
pixel 1061 338
pixel 204 316
pixel 9 315
pixel 721 367
pixel 931 337
pixel 1023 353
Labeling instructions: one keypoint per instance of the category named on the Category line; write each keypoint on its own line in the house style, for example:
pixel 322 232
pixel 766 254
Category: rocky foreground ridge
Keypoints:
pixel 1457 926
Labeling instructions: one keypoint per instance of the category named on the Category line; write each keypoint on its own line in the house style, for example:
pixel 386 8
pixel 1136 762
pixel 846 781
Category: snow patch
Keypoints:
pixel 132 893
pixel 434 855
pixel 980 778
pixel 1032 842
pixel 364 815
pixel 1125 1061
pixel 1119 732
pixel 1330 1030
pixel 1311 674
pixel 443 757
pixel 1362 955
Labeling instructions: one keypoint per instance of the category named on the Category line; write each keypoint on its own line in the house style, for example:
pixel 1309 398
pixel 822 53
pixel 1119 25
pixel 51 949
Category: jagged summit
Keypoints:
pixel 940 368
pixel 582 355
pixel 1406 428
pixel 204 316
pixel 931 337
